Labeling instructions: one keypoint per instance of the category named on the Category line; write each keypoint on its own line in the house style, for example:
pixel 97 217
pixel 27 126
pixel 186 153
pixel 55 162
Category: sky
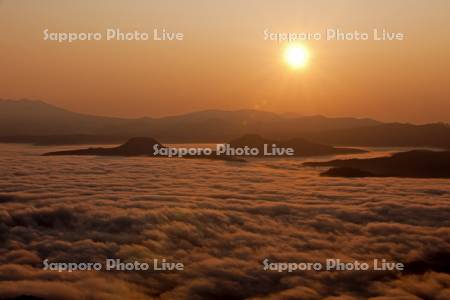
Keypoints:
pixel 224 62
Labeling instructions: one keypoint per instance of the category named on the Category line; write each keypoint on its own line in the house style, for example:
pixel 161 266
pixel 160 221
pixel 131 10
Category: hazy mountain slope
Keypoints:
pixel 28 118
pixel 388 135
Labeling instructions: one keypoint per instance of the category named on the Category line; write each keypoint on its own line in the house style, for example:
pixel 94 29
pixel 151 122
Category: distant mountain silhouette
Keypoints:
pixel 28 117
pixel 34 121
pixel 416 163
pixel 388 135
pixel 301 147
pixel 70 139
pixel 40 123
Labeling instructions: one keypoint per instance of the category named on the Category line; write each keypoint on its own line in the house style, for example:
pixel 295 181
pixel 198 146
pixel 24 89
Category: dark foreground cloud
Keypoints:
pixel 221 220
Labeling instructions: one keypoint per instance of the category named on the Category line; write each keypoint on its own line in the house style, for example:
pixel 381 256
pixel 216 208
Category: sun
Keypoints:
pixel 296 56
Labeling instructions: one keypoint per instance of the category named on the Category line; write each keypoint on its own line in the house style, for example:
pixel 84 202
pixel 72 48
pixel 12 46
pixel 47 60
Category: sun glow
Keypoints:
pixel 296 56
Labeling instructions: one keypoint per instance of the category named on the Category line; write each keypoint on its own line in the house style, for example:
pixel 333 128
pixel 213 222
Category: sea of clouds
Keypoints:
pixel 221 220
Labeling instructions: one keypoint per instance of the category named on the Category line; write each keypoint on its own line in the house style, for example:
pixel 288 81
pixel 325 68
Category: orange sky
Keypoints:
pixel 224 61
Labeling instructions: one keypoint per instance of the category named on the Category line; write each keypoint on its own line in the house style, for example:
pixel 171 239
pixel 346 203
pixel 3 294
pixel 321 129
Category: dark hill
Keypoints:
pixel 416 164
pixel 139 146
pixel 346 172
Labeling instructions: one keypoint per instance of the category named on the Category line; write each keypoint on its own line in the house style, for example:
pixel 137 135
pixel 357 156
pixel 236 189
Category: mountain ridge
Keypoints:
pixel 32 117
pixel 33 121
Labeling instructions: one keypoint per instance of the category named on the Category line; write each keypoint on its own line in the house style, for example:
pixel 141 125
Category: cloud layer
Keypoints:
pixel 221 220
